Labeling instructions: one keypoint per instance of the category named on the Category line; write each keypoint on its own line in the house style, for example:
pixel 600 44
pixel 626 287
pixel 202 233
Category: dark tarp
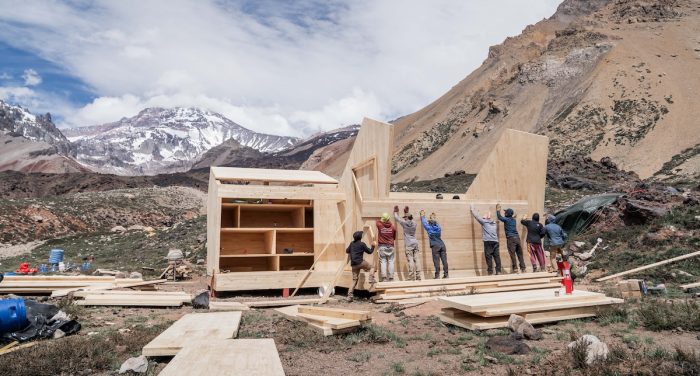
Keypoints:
pixel 577 217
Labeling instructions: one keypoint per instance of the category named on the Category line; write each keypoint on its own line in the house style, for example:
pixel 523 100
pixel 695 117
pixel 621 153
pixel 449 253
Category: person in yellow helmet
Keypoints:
pixel 386 235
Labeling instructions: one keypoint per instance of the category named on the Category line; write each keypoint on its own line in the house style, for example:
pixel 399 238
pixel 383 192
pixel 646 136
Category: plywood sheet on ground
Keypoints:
pixel 484 302
pixel 470 321
pixel 193 326
pixel 249 357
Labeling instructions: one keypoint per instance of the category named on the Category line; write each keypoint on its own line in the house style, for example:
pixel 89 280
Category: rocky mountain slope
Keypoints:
pixel 601 78
pixel 160 140
pixel 33 143
pixel 300 155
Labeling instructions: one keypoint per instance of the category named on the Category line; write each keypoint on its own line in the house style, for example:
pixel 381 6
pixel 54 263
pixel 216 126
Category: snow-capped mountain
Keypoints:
pixel 17 121
pixel 160 140
pixel 32 143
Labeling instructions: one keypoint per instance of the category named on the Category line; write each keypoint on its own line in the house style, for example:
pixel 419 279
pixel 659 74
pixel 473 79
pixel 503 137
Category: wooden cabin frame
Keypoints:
pixel 254 214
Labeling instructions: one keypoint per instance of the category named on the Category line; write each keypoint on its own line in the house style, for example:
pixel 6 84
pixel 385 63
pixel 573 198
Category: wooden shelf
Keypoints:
pixel 265 207
pixel 295 255
pixel 269 255
pixel 260 230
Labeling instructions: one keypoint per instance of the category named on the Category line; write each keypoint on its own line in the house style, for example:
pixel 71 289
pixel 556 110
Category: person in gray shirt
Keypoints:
pixel 489 234
pixel 410 243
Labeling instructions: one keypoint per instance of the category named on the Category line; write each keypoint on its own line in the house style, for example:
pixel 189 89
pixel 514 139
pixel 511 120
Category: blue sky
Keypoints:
pixel 281 67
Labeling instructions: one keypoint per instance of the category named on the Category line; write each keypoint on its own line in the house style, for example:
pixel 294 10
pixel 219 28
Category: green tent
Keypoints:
pixel 577 217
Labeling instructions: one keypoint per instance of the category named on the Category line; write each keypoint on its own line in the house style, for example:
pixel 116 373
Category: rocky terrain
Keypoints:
pixel 608 79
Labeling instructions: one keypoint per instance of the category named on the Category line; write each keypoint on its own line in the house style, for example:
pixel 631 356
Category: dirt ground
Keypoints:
pixel 409 341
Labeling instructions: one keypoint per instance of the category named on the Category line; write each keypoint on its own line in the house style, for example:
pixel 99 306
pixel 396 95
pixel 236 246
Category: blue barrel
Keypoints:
pixel 55 256
pixel 13 315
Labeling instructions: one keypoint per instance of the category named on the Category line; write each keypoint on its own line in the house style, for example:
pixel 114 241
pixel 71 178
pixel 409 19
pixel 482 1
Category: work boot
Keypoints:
pixel 490 273
pixel 437 275
pixel 534 269
pixel 445 276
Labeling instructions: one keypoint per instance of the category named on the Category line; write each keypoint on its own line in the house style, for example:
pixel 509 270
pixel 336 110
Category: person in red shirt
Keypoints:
pixel 386 235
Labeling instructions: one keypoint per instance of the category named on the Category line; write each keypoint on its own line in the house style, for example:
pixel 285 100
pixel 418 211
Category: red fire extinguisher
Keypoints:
pixel 567 281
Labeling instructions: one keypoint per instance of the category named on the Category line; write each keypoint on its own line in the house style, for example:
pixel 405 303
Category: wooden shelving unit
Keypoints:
pixel 271 236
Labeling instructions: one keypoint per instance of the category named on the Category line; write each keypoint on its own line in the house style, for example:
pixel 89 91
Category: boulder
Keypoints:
pixel 138 365
pixel 507 345
pixel 519 325
pixel 595 349
pixel 118 229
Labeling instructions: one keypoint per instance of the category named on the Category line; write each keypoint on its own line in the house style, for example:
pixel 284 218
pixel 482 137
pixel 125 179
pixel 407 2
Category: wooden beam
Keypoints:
pixel 351 314
pixel 639 269
pixel 690 286
pixel 281 302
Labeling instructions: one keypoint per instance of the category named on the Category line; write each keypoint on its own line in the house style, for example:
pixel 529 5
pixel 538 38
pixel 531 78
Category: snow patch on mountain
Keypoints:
pixel 160 140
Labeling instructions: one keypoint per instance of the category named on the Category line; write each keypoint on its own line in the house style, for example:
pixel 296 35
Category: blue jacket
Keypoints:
pixel 434 233
pixel 510 225
pixel 556 235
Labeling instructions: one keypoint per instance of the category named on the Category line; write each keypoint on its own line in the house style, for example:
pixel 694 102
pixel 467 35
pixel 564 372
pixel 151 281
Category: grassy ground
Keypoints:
pixel 128 251
pixel 631 246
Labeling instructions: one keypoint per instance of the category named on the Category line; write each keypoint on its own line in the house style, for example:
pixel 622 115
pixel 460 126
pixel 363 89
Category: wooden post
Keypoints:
pixel 639 269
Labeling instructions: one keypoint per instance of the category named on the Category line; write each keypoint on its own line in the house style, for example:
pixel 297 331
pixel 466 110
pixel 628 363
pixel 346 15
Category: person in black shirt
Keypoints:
pixel 356 251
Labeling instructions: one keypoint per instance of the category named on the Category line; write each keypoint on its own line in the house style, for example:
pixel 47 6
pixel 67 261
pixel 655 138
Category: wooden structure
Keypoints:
pixel 267 227
pixel 255 214
pixel 490 311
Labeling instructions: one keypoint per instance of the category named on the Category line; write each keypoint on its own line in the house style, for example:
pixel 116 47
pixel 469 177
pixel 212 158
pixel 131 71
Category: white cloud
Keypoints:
pixel 31 77
pixel 5 76
pixel 284 68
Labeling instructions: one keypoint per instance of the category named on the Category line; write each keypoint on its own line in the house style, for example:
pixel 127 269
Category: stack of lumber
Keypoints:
pixel 488 311
pixel 328 321
pixel 630 288
pixel 49 284
pixel 415 291
pixel 132 298
pixel 192 327
pixel 215 306
pixel 219 357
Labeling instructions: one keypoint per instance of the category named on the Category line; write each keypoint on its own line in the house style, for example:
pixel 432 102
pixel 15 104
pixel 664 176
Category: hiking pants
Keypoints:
pixel 491 255
pixel 515 250
pixel 439 253
pixel 536 255
pixel 386 261
pixel 413 262
pixel 554 250
pixel 356 275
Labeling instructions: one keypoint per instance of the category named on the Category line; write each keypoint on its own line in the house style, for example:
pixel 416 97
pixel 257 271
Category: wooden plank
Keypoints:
pixel 250 357
pixel 352 314
pixel 271 175
pixel 19 347
pixel 639 269
pixel 521 308
pixel 464 280
pixel 129 303
pixel 318 192
pixel 474 322
pixel 472 291
pixel 144 294
pixel 690 286
pixel 483 302
pixel 227 306
pixel 281 302
pixel 242 281
pixel 331 322
pixel 191 327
